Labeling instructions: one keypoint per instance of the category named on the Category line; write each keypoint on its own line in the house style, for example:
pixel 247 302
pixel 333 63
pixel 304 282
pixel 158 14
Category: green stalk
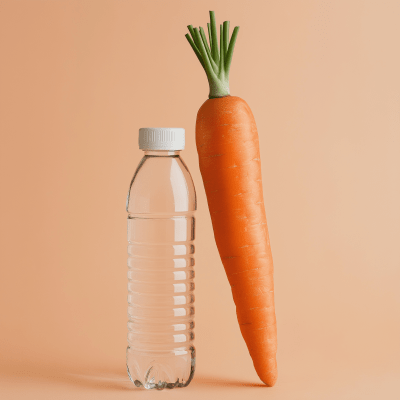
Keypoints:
pixel 195 49
pixel 221 68
pixel 226 35
pixel 209 33
pixel 231 47
pixel 215 61
pixel 204 39
pixel 214 48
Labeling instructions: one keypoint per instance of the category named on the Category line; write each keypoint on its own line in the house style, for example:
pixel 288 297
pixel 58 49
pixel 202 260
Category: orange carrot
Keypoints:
pixel 229 158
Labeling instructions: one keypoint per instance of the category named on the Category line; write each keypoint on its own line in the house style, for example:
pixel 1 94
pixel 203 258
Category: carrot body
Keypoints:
pixel 229 158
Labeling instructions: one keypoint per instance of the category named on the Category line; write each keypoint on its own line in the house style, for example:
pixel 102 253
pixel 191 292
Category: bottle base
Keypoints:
pixel 159 370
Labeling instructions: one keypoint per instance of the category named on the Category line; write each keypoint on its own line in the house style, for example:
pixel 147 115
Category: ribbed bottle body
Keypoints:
pixel 160 351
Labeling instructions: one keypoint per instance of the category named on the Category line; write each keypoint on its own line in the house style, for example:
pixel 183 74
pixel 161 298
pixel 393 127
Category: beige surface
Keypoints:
pixel 77 80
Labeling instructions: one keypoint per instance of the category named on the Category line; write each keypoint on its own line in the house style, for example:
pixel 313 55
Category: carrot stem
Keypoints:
pixel 231 47
pixel 215 61
pixel 207 63
pixel 221 70
pixel 214 49
pixel 190 27
pixel 204 39
pixel 226 36
pixel 195 49
pixel 209 33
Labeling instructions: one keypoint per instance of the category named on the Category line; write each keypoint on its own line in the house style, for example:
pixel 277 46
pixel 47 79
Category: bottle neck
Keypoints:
pixel 162 153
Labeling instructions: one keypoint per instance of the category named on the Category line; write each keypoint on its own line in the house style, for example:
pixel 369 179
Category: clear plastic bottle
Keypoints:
pixel 161 224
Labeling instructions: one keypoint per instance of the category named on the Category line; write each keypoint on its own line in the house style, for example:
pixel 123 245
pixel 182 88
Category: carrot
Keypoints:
pixel 229 159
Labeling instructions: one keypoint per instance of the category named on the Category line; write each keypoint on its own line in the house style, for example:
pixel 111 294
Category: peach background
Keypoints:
pixel 79 78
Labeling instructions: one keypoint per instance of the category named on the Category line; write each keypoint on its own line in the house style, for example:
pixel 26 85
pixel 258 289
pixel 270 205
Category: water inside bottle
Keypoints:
pixel 160 351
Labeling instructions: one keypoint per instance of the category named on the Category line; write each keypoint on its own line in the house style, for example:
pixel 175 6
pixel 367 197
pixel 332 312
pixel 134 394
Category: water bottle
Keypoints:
pixel 161 225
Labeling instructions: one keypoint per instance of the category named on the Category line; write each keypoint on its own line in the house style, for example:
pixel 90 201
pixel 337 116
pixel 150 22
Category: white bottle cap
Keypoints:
pixel 162 139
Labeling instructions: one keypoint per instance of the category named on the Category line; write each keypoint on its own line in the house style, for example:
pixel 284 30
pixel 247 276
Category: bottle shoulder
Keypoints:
pixel 161 185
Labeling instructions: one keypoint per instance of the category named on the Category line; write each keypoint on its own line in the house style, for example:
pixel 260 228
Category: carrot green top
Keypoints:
pixel 216 62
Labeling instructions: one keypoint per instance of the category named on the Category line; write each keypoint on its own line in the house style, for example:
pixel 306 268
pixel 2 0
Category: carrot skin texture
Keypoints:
pixel 229 158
